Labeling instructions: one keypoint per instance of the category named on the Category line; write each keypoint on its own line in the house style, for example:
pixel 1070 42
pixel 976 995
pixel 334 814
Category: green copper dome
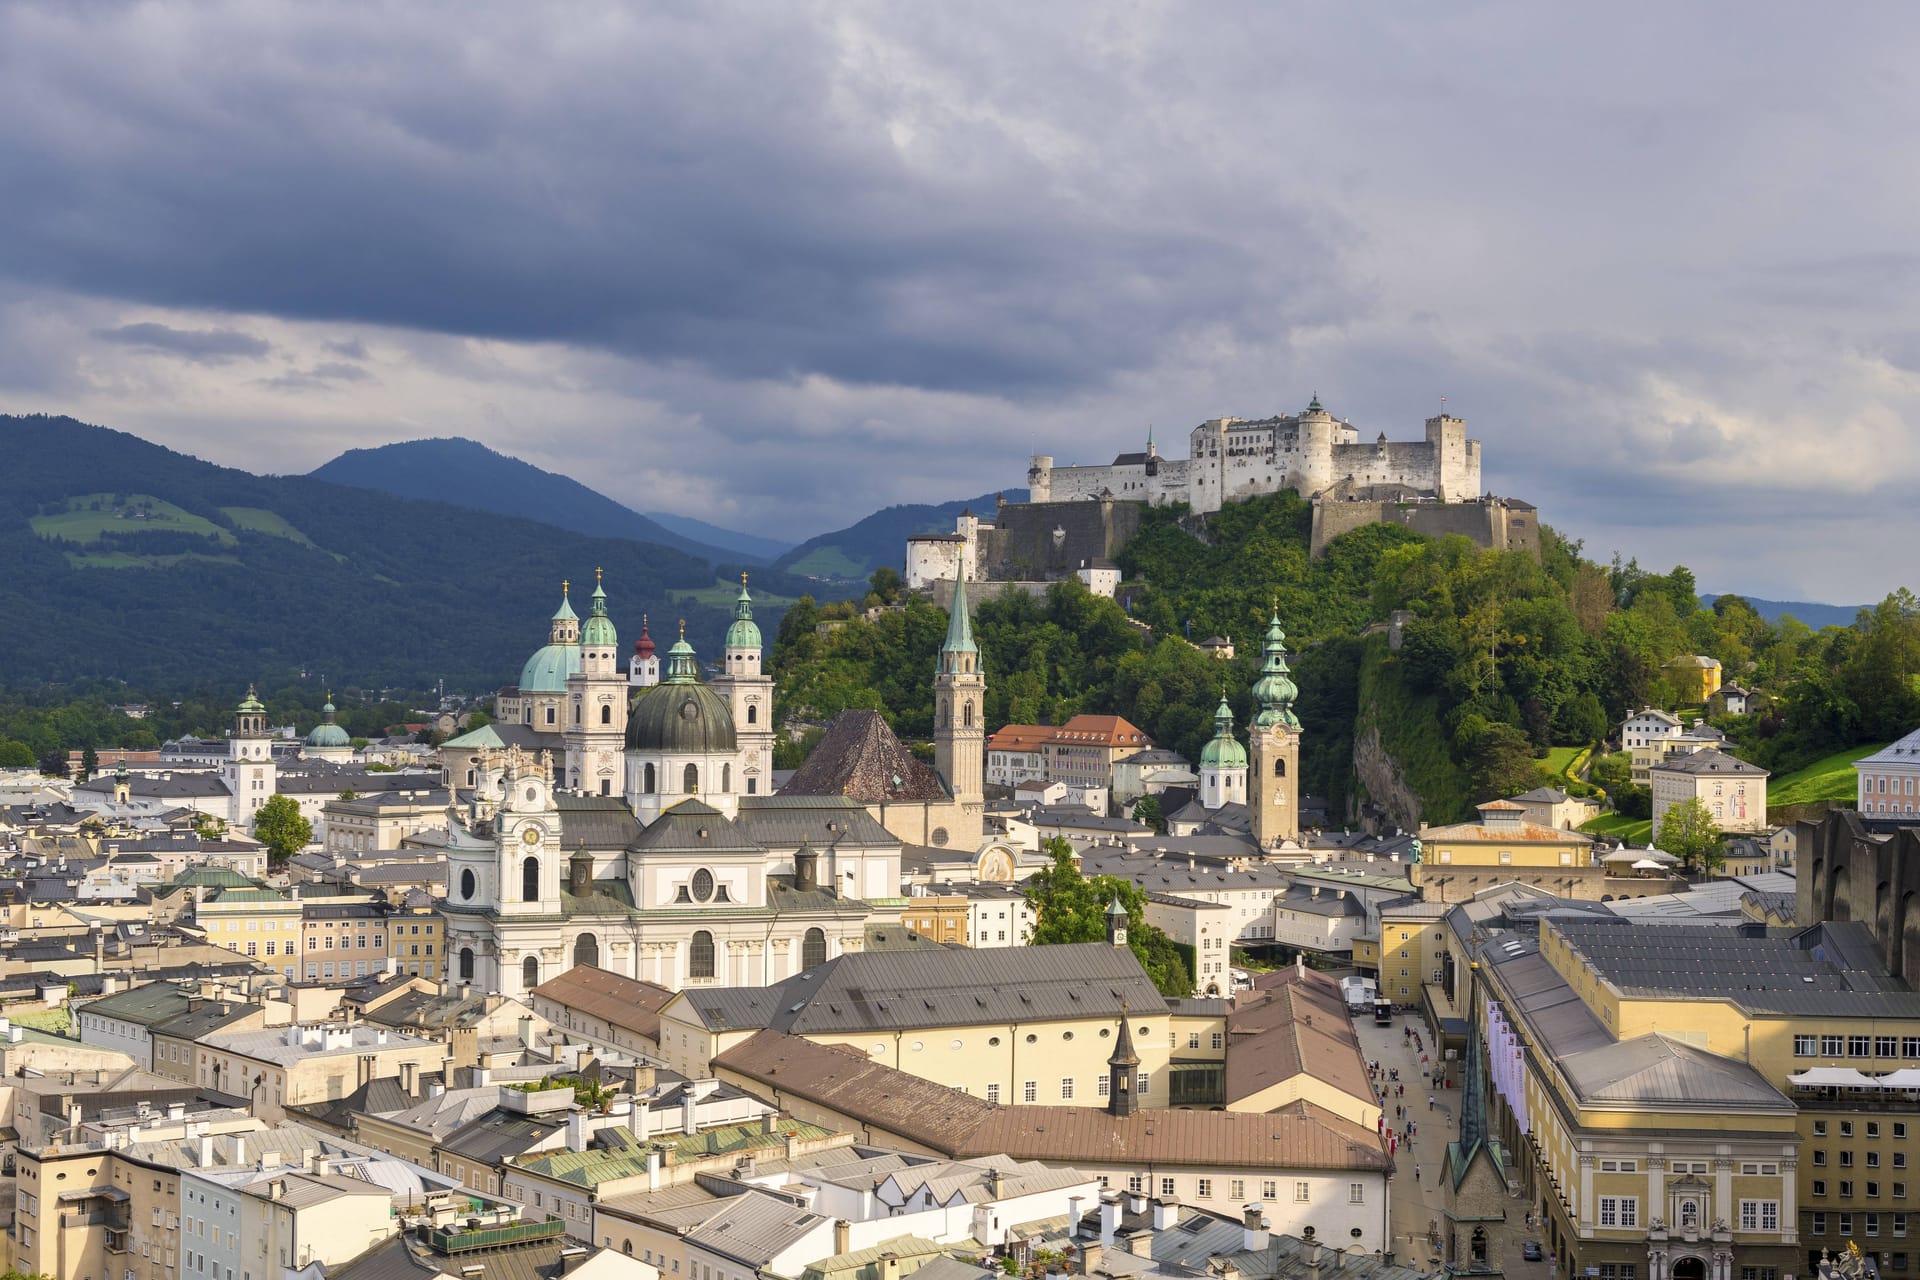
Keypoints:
pixel 744 633
pixel 681 715
pixel 252 703
pixel 1223 750
pixel 547 670
pixel 598 629
pixel 1275 690
pixel 327 733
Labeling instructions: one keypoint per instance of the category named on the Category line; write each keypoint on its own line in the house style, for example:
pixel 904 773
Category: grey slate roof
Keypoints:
pixel 859 756
pixel 1708 760
pixel 902 990
pixel 1653 1070
pixel 787 822
pixel 601 822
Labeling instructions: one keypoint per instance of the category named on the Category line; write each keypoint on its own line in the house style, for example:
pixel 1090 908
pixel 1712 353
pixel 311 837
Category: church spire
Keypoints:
pixel 1121 1068
pixel 959 630
pixel 1274 691
pixel 682 666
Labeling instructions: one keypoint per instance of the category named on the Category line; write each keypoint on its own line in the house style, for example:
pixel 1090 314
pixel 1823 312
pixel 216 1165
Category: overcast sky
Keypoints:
pixel 778 265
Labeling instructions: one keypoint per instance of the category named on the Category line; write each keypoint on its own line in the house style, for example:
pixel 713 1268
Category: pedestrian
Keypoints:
pixel 1429 1102
pixel 1416 1173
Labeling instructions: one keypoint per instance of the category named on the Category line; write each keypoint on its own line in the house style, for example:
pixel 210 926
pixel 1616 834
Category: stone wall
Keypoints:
pixel 1849 869
pixel 1506 524
pixel 1040 541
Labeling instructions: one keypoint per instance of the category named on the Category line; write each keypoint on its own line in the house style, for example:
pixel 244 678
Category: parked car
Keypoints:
pixel 1531 1251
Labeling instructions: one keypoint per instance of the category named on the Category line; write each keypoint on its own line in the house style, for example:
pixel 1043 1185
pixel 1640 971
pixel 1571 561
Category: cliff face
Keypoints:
pixel 1382 780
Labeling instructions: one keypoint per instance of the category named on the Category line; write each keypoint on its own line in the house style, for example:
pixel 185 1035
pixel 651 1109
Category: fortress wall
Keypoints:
pixel 1023 544
pixel 1488 524
pixel 1409 463
pixel 931 559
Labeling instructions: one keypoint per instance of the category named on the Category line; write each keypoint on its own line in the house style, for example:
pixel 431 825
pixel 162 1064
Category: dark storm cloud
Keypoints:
pixel 650 197
pixel 204 346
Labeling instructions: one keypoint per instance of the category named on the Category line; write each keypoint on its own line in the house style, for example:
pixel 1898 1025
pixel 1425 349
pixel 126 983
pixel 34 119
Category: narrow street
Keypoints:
pixel 1417 1197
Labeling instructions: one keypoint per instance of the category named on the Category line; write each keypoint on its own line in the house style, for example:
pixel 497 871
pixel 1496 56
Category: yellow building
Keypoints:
pixel 1694 678
pixel 1459 861
pixel 1010 1024
pixel 254 922
pixel 1409 952
pixel 1692 1097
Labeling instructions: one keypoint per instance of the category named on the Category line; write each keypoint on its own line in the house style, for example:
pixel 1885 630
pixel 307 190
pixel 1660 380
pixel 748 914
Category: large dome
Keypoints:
pixel 681 717
pixel 547 670
pixel 329 735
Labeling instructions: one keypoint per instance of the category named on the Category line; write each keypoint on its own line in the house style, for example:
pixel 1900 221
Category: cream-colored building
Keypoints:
pixel 1733 790
pixel 1017 1025
pixel 284 1066
pixel 382 819
pixel 1552 807
pixel 1459 861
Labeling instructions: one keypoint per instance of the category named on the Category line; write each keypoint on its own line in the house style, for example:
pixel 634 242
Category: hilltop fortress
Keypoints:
pixel 1311 452
pixel 1079 517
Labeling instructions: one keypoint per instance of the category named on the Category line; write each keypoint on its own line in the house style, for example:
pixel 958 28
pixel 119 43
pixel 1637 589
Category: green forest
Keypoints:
pixel 1501 656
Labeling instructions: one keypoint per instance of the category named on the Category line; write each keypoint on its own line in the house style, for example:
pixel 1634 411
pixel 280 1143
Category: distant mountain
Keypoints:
pixel 469 474
pixel 1814 615
pixel 748 546
pixel 856 551
pixel 126 560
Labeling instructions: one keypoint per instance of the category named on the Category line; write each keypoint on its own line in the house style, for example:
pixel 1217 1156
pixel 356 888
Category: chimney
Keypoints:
pixel 206 1151
pixel 1140 1243
pixel 1090 1253
pixel 236 1149
pixel 1166 1213
pixel 176 1111
pixel 1254 1235
pixel 792 1143
pixel 277 1189
pixel 1300 963
pixel 689 1112
pixel 1109 1216
pixel 996 1183
pixel 842 1236
pixel 407 1070
pixel 526 1031
pixel 1136 1202
pixel 1310 1253
pixel 576 1130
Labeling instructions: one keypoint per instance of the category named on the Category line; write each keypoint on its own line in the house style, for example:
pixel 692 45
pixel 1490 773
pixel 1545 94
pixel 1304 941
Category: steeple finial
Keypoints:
pixel 683 628
pixel 566 588
pixel 596 575
pixel 743 577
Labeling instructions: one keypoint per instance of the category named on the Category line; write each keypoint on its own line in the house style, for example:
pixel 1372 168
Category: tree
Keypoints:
pixel 16 755
pixel 1689 833
pixel 1072 908
pixel 349 794
pixel 475 720
pixel 208 827
pixel 1498 758
pixel 89 764
pixel 280 827
pixel 1146 811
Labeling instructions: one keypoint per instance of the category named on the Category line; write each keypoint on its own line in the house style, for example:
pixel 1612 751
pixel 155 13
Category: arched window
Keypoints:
pixel 753 715
pixel 813 949
pixel 967 709
pixel 606 715
pixel 530 880
pixel 726 778
pixel 700 955
pixel 530 972
pixel 626 1247
pixel 466 964
pixel 692 779
pixel 646 784
pixel 1280 768
pixel 576 712
pixel 586 950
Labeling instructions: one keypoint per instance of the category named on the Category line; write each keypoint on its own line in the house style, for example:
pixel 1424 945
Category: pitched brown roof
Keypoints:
pixel 1020 737
pixel 859 757
pixel 617 1001
pixel 1293 1024
pixel 1105 731
pixel 959 1125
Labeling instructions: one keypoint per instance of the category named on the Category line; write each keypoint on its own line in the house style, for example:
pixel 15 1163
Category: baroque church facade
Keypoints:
pixel 627 819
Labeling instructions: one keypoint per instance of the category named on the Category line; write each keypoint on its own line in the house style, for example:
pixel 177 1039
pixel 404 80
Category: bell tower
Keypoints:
pixel 749 693
pixel 959 710
pixel 1273 765
pixel 596 727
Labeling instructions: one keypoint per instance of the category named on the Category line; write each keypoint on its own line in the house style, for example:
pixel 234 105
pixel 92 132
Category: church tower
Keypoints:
pixel 1223 763
pixel 596 728
pixel 1273 769
pixel 959 710
pixel 248 769
pixel 1122 1070
pixel 749 692
pixel 644 671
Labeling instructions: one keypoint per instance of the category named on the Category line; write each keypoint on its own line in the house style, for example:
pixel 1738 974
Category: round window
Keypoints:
pixel 1105 1032
pixel 878 1050
pixel 1031 1038
pixel 955 1044
pixel 993 1042
pixel 468 884
pixel 1066 1035
pixel 702 885
pixel 918 1045
pixel 939 838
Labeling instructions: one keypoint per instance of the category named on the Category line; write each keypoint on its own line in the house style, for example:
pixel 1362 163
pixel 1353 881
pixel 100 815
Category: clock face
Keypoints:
pixel 530 835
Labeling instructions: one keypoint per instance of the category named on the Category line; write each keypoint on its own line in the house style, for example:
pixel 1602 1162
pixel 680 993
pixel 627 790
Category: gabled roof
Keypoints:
pixel 1708 760
pixel 860 757
pixel 1655 1070
pixel 618 1001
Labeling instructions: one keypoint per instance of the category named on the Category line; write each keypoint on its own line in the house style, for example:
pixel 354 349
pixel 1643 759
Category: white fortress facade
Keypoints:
pixel 1312 453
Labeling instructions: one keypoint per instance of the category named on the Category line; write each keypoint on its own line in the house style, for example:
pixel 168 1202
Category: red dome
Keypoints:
pixel 643 647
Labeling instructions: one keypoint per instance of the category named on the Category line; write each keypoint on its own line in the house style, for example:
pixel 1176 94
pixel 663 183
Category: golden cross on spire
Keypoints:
pixel 743 577
pixel 683 628
pixel 565 586
pixel 596 575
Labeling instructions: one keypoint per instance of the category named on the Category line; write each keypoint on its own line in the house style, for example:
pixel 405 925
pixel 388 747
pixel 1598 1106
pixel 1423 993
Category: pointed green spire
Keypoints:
pixel 565 612
pixel 959 627
pixel 1275 690
pixel 744 633
pixel 598 630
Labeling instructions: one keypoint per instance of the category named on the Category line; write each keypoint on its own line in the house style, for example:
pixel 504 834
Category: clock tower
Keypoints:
pixel 529 867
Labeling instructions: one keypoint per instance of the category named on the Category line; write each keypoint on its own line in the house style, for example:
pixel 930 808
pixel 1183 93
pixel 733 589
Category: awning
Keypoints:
pixel 1647 864
pixel 1833 1078
pixel 1905 1078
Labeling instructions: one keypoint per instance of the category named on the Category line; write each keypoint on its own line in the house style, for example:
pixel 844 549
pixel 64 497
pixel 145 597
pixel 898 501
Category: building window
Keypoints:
pixel 466 964
pixel 1030 1091
pixel 1236 1188
pixel 1759 1215
pixel 530 972
pixel 1102 1086
pixel 1833 1046
pixel 813 949
pixel 690 779
pixel 1356 1193
pixel 1206 1188
pixel 993 1092
pixel 1144 1084
pixel 1136 1182
pixel 1806 1046
pixel 1619 1211
pixel 700 955
pixel 1859 1046
pixel 1166 1187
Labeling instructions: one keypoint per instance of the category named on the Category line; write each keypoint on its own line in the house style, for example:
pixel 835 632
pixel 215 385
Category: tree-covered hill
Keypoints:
pixel 1501 656
pixel 129 561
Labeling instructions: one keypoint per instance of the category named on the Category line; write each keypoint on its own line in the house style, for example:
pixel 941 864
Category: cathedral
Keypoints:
pixel 627 820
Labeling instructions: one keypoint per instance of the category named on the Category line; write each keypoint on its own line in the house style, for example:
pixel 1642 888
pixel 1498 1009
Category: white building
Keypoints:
pixel 1889 779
